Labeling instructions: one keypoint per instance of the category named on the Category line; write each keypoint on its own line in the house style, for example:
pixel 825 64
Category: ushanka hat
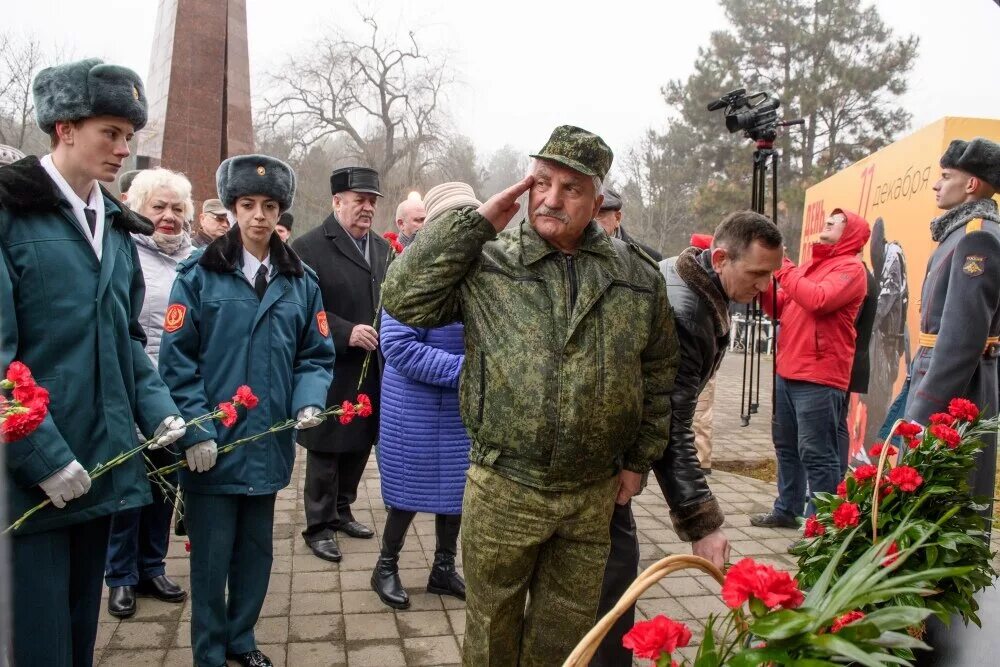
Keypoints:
pixel 247 175
pixel 979 157
pixel 88 88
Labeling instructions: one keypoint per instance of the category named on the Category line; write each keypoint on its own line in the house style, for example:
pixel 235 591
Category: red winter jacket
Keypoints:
pixel 818 303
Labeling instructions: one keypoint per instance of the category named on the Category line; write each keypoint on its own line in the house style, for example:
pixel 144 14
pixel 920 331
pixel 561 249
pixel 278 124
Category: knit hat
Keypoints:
pixel 442 198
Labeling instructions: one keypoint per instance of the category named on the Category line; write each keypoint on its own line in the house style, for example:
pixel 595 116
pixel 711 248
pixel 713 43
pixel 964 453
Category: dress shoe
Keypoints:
pixel 356 529
pixel 121 601
pixel 161 588
pixel 774 520
pixel 326 549
pixel 445 580
pixel 252 658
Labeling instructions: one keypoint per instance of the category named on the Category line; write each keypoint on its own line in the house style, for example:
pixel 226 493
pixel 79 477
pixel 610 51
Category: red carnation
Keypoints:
pixel 842 488
pixel 366 405
pixel 946 434
pixel 846 515
pixel 656 637
pixel 19 375
pixel 909 429
pixel 942 418
pixel 245 397
pixel 964 409
pixel 748 579
pixel 915 442
pixel 228 417
pixel 876 450
pixel 31 396
pixel 20 425
pixel 846 619
pixel 891 555
pixel 865 472
pixel 393 239
pixel 814 528
pixel 348 413
pixel 905 478
pixel 187 546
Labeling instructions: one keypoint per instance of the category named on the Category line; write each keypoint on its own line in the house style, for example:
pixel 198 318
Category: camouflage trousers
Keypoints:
pixel 520 544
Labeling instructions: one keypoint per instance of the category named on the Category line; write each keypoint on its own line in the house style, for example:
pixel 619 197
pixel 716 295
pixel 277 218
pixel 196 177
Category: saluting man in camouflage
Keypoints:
pixel 570 358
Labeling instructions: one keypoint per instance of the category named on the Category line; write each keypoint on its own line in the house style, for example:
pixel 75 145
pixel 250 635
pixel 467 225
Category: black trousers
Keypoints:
pixel 331 488
pixel 446 529
pixel 619 573
pixel 57 582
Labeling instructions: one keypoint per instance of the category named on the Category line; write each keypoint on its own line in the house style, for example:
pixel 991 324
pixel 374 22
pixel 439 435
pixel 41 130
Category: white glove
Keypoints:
pixel 65 485
pixel 307 418
pixel 167 432
pixel 201 457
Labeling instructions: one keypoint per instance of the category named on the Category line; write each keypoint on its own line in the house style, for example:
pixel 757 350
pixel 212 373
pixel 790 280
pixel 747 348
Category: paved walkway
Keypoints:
pixel 731 441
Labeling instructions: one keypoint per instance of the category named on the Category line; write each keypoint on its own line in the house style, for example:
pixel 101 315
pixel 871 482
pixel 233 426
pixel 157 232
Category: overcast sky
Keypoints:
pixel 529 65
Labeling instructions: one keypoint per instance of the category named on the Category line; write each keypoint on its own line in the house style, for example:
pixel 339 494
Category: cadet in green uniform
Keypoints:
pixel 71 290
pixel 570 359
pixel 246 310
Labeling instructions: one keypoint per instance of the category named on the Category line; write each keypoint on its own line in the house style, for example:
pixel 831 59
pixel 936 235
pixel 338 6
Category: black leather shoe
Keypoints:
pixel 161 588
pixel 445 580
pixel 356 529
pixel 773 520
pixel 252 658
pixel 121 601
pixel 326 549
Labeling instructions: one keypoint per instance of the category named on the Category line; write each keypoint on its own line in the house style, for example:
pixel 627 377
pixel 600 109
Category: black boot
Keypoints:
pixel 444 579
pixel 385 577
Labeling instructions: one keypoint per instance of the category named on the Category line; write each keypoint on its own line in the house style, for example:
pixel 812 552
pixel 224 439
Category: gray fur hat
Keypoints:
pixel 244 175
pixel 979 157
pixel 87 88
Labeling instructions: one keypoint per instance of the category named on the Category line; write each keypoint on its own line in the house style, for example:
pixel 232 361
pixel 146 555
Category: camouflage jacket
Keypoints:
pixel 570 360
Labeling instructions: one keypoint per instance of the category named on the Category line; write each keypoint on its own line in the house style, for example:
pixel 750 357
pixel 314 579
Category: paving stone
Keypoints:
pixel 370 626
pixel 322 627
pixel 272 630
pixel 142 634
pixel 276 652
pixel 305 604
pixel 355 580
pixel 361 602
pixel 441 650
pixel 304 582
pixel 423 623
pixel 140 658
pixel 275 604
pixel 316 654
pixel 374 654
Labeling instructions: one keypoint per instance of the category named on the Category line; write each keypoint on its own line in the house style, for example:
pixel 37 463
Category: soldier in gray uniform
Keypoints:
pixel 960 341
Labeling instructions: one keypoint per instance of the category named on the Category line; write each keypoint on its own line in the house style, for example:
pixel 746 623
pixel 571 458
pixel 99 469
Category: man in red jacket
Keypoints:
pixel 817 304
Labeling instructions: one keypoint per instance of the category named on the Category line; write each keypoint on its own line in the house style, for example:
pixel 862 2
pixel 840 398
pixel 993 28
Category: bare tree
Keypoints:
pixel 382 94
pixel 20 60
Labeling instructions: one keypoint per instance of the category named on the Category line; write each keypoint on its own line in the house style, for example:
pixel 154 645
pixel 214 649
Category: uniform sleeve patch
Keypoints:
pixel 322 324
pixel 973 265
pixel 174 319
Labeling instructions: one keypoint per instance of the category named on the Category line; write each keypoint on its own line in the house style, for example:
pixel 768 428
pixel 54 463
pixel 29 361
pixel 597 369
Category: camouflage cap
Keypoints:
pixel 579 150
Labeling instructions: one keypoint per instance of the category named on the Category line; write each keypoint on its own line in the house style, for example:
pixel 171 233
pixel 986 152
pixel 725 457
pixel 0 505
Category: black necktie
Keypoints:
pixel 260 282
pixel 91 220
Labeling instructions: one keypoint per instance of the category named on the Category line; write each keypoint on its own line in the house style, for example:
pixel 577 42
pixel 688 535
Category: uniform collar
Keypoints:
pixel 534 247
pixel 225 255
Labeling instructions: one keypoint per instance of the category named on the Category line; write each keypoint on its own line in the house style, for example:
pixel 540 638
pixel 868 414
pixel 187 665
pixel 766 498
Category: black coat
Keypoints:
pixel 701 316
pixel 629 239
pixel 350 290
pixel 861 369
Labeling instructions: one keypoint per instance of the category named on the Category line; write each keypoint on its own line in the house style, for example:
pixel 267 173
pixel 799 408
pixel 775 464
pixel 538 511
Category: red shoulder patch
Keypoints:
pixel 174 319
pixel 322 324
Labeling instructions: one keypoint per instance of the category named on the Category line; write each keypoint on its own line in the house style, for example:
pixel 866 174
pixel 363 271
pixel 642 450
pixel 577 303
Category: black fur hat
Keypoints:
pixel 286 220
pixel 87 88
pixel 979 157
pixel 255 175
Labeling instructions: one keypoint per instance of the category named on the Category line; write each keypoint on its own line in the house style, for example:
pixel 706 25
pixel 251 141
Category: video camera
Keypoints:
pixel 756 115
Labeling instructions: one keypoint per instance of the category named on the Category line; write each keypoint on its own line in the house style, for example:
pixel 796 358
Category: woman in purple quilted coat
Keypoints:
pixel 423 449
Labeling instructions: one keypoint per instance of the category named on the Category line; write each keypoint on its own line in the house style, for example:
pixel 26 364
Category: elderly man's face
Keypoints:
pixel 356 211
pixel 609 220
pixel 411 218
pixel 214 225
pixel 561 204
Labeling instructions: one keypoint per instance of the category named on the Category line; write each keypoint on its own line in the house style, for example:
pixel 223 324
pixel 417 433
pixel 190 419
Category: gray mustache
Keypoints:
pixel 559 215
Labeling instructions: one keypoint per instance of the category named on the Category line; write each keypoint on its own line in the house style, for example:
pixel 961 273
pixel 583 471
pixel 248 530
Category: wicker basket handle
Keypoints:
pixel 584 651
pixel 876 496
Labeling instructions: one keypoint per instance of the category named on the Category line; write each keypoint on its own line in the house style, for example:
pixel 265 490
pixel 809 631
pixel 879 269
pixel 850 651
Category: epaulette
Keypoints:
pixel 645 255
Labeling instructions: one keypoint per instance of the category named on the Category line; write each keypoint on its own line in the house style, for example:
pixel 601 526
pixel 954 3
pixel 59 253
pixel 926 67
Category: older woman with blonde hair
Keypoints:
pixel 140 536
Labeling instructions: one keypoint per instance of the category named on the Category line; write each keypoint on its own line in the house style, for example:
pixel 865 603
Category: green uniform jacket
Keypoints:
pixel 74 322
pixel 569 360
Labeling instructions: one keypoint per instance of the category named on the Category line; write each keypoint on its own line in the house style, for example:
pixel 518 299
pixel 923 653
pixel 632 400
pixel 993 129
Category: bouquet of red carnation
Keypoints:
pixel 925 481
pixel 25 407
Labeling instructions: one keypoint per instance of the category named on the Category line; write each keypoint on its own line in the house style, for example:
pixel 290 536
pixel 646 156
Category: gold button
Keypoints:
pixel 261 170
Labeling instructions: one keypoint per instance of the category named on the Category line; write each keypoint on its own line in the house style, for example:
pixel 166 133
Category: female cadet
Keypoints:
pixel 245 311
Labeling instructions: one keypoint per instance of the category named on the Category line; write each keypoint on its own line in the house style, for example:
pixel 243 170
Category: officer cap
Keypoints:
pixel 579 150
pixel 358 179
pixel 612 201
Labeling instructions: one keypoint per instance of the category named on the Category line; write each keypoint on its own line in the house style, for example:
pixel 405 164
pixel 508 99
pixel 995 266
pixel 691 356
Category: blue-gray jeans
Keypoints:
pixel 804 430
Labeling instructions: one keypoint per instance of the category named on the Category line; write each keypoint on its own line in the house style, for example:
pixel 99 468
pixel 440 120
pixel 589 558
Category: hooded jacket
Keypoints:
pixel 818 304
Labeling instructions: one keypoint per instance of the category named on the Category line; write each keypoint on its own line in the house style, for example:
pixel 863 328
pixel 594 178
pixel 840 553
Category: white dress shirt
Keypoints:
pixel 251 264
pixel 96 204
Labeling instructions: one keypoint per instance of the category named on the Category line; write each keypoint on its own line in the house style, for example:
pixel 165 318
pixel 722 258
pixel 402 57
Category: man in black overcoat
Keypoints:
pixel 351 263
